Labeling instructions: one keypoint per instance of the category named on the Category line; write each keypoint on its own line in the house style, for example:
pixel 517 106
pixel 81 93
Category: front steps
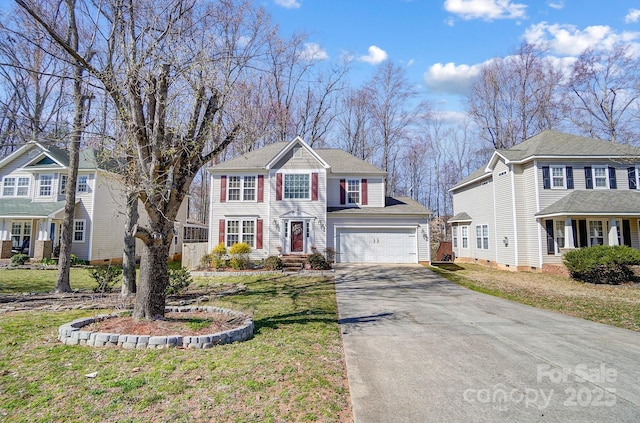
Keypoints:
pixel 293 262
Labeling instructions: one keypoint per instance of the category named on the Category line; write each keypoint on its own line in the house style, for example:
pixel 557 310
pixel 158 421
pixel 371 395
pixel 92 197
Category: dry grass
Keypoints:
pixel 614 305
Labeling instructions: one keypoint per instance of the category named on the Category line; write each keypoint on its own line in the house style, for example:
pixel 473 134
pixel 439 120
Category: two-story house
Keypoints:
pixel 550 193
pixel 34 184
pixel 288 198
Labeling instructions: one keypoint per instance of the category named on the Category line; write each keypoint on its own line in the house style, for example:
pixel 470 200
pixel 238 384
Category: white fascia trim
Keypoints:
pixel 515 216
pixel 479 178
pixel 602 214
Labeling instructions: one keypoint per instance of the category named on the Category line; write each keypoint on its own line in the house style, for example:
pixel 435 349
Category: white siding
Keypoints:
pixel 375 190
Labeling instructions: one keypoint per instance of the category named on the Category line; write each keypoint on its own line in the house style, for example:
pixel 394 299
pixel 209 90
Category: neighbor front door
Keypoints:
pixel 297 237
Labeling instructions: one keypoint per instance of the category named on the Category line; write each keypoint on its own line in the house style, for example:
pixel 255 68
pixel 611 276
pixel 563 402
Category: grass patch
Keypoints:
pixel 612 305
pixel 292 370
pixel 16 281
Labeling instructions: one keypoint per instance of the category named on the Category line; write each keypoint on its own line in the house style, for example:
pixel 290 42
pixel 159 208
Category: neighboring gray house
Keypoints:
pixel 550 193
pixel 288 198
pixel 34 183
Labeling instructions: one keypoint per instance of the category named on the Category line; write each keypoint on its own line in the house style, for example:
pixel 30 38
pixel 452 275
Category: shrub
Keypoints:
pixel 48 261
pixel 19 259
pixel 106 277
pixel 206 260
pixel 239 255
pixel 219 253
pixel 179 280
pixel 318 262
pixel 273 263
pixel 602 264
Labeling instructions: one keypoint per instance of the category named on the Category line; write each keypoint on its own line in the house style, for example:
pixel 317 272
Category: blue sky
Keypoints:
pixel 442 42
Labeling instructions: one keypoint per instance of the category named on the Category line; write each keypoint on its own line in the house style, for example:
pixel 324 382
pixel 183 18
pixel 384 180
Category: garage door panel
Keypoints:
pixel 376 245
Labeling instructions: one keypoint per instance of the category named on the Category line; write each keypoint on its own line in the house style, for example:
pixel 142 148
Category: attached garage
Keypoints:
pixel 376 245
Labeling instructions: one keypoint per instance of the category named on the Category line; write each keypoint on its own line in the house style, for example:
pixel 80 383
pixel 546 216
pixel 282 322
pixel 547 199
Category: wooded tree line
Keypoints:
pixel 170 86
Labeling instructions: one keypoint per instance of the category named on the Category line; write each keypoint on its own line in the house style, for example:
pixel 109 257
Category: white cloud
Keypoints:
pixel 486 9
pixel 376 55
pixel 451 78
pixel 312 52
pixel 568 39
pixel 556 4
pixel 632 16
pixel 288 4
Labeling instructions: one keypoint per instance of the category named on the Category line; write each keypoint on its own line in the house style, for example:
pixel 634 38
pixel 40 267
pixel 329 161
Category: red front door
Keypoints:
pixel 297 237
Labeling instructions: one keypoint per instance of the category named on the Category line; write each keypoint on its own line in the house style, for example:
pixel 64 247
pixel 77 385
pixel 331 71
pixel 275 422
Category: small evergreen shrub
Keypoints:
pixel 318 262
pixel 273 263
pixel 218 255
pixel 179 280
pixel 239 255
pixel 106 277
pixel 48 261
pixel 602 264
pixel 19 259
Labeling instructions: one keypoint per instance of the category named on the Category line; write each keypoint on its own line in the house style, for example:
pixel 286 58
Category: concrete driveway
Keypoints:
pixel 421 349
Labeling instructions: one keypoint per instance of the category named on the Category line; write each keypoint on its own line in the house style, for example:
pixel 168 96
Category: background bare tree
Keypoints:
pixel 606 89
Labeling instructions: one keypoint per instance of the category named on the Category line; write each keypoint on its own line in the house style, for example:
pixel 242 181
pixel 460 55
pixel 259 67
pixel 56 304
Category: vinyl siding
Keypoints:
pixel 375 190
pixel 503 223
pixel 306 161
pixel 526 210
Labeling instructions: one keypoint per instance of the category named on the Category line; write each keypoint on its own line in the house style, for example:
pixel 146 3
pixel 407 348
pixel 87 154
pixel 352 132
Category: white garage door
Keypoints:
pixel 375 245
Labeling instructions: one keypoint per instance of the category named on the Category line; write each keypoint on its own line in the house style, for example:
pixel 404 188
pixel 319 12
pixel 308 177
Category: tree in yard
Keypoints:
pixel 354 133
pixel 605 87
pixel 169 67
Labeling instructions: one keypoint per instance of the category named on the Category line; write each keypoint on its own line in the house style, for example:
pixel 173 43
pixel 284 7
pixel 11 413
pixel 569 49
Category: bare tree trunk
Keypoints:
pixel 151 297
pixel 64 262
pixel 129 256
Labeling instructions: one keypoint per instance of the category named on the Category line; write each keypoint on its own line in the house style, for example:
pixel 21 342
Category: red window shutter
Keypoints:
pixel 223 188
pixel 259 234
pixel 260 188
pixel 343 191
pixel 278 186
pixel 314 187
pixel 365 192
pixel 221 231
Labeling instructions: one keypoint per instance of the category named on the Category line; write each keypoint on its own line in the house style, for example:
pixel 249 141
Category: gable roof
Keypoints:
pixel 52 157
pixel 299 141
pixel 461 217
pixel 595 202
pixel 339 161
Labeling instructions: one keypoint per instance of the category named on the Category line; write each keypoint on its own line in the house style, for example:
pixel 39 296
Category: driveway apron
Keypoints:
pixel 421 349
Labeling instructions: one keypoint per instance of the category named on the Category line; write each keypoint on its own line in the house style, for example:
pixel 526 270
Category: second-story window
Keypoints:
pixel 296 186
pixel 46 184
pixel 600 177
pixel 83 184
pixel 241 188
pixel 353 191
pixel 249 188
pixel 15 186
pixel 557 177
pixel 63 184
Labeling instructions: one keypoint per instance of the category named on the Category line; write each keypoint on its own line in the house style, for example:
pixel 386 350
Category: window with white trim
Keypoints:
pixel 596 232
pixel 15 186
pixel 20 233
pixel 600 176
pixel 353 191
pixel 241 188
pixel 83 183
pixel 465 236
pixel 63 184
pixel 79 228
pixel 559 234
pixel 46 186
pixel 296 186
pixel 241 230
pixel 454 235
pixel 558 177
pixel 482 237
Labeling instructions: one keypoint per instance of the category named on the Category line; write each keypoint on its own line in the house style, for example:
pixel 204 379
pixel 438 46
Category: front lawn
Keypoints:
pixel 617 305
pixel 17 281
pixel 292 370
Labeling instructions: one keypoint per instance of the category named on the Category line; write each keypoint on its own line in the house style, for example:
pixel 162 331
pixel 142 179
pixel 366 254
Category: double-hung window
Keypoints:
pixel 600 177
pixel 63 184
pixel 83 183
pixel 596 233
pixel 241 188
pixel 454 235
pixel 296 186
pixel 465 236
pixel 558 177
pixel 46 186
pixel 79 227
pixel 559 235
pixel 241 231
pixel 15 186
pixel 482 237
pixel 353 191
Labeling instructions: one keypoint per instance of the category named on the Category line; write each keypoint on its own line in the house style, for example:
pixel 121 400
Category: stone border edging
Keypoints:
pixel 70 333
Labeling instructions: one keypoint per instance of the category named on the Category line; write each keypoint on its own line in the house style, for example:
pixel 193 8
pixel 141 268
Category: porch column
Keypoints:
pixel 568 234
pixel 613 232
